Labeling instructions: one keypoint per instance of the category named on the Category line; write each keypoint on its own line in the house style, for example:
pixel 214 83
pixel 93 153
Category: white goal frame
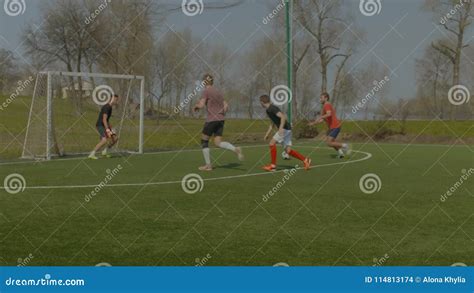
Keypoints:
pixel 49 105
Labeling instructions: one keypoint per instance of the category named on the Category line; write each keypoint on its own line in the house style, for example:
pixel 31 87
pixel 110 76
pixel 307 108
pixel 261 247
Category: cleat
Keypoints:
pixel 269 168
pixel 240 155
pixel 92 157
pixel 307 164
pixel 348 150
pixel 205 168
pixel 341 156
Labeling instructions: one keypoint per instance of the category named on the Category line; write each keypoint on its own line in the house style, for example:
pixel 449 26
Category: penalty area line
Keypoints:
pixel 366 157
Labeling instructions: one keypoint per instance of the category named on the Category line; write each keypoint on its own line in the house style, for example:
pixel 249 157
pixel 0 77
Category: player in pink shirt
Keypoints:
pixel 217 107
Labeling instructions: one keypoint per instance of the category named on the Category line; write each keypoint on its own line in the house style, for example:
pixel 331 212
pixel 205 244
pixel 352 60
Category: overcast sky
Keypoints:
pixel 395 37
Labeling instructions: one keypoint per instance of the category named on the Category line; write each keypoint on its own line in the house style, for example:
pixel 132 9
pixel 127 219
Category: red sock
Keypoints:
pixel 297 155
pixel 273 153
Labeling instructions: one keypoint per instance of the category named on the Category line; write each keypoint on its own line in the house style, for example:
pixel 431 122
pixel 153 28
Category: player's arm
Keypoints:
pixel 282 117
pixel 270 128
pixel 226 106
pixel 321 118
pixel 108 127
pixel 105 122
pixel 200 104
pixel 326 115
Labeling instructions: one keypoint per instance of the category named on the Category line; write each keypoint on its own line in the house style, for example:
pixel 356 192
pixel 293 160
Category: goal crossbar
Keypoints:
pixel 89 74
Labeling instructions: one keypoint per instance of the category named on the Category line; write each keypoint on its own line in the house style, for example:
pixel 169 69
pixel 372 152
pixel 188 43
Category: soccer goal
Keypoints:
pixel 65 108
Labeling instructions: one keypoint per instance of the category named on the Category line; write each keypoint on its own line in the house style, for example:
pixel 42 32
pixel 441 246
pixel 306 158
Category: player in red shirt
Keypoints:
pixel 328 114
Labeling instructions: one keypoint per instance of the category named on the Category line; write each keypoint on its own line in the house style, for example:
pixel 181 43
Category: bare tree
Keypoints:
pixel 262 68
pixel 455 17
pixel 8 72
pixel 433 71
pixel 325 22
pixel 64 37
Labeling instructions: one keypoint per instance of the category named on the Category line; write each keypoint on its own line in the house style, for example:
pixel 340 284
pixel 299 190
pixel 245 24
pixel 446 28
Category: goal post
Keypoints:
pixel 65 108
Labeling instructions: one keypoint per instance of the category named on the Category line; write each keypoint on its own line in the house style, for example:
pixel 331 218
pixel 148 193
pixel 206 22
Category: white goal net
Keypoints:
pixel 65 108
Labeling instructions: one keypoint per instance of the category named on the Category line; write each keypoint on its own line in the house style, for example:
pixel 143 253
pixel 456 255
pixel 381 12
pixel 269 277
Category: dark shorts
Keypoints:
pixel 101 130
pixel 334 132
pixel 213 128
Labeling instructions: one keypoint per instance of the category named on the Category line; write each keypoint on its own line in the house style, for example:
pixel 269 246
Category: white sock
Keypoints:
pixel 92 153
pixel 340 152
pixel 207 155
pixel 227 146
pixel 104 152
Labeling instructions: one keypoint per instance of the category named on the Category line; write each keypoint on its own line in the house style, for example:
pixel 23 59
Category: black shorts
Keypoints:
pixel 213 128
pixel 101 130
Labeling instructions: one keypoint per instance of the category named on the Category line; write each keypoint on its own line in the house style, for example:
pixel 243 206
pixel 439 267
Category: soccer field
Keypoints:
pixel 135 210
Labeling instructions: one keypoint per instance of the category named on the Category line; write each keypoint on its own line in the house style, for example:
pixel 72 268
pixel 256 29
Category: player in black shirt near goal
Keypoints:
pixel 108 137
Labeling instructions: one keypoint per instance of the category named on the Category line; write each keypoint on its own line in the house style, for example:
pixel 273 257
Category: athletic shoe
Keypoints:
pixel 307 164
pixel 269 168
pixel 348 150
pixel 341 156
pixel 92 157
pixel 205 168
pixel 240 155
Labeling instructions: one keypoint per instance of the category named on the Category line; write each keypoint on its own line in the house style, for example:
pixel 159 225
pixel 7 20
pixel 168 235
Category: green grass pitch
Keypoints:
pixel 320 217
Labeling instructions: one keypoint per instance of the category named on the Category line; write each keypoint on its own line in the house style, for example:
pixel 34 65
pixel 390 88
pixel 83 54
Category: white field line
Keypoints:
pixel 198 150
pixel 366 157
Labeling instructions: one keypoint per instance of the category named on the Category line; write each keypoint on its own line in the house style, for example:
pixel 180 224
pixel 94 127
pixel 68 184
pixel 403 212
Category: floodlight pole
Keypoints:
pixel 142 116
pixel 289 52
pixel 49 117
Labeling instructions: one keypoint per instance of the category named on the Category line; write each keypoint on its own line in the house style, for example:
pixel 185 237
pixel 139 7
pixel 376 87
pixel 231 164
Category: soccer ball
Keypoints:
pixel 285 156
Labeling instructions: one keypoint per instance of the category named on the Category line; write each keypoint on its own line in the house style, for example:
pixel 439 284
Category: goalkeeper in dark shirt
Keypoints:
pixel 107 136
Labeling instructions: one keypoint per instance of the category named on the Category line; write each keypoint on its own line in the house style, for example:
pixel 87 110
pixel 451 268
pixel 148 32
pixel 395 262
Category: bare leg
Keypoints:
pixel 206 153
pixel 103 141
pixel 331 142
